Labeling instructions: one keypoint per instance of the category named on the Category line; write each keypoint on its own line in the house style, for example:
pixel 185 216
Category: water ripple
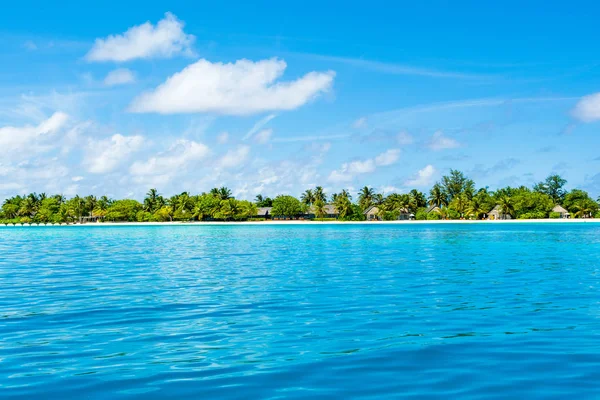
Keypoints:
pixel 327 311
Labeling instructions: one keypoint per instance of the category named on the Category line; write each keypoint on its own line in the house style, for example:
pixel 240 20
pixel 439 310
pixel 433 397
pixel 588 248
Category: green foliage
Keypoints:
pixel 580 204
pixel 434 216
pixel 390 215
pixel 287 206
pixel 263 201
pixel 355 213
pixel 421 214
pixel 597 215
pixel 366 197
pixel 144 216
pixel 123 210
pixel 552 187
pixel 457 183
pixel 452 214
pixel 554 215
pixel 532 215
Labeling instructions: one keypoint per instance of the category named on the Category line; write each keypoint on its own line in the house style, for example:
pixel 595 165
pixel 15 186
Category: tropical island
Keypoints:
pixel 454 197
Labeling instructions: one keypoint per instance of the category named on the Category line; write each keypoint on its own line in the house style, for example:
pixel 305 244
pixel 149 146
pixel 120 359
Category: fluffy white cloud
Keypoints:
pixel 350 169
pixel 121 76
pixel 423 177
pixel 588 108
pixel 164 40
pixel 106 155
pixel 241 88
pixel 31 139
pixel 441 142
pixel 178 157
pixel 388 158
pixel 234 158
pixel 263 136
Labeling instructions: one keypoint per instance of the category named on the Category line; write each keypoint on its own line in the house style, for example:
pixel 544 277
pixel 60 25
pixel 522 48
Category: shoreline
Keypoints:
pixel 306 222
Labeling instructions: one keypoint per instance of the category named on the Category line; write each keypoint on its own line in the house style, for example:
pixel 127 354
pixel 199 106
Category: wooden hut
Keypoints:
pixel 561 210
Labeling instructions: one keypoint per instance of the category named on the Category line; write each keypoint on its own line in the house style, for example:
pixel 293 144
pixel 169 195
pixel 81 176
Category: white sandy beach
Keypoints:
pixel 306 222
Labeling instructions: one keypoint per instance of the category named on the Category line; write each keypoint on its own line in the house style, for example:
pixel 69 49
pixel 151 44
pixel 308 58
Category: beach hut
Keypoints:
pixel 433 208
pixel 372 213
pixel 330 212
pixel 497 213
pixel 561 210
pixel 264 212
pixel 405 215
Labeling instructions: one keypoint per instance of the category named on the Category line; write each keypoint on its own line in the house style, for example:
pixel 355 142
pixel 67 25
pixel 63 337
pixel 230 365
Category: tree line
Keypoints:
pixel 453 197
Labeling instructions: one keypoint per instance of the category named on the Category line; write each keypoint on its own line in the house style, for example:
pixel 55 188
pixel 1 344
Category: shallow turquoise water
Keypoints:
pixel 327 311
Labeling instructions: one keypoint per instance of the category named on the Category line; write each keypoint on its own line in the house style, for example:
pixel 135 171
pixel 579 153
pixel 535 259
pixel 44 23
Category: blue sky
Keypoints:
pixel 264 98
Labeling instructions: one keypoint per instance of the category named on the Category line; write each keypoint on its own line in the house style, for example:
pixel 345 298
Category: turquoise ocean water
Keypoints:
pixel 326 311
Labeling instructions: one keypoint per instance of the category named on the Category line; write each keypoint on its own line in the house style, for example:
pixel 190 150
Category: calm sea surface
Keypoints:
pixel 326 311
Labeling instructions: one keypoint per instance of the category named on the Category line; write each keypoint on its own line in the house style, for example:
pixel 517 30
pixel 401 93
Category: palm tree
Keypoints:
pixel 476 208
pixel 437 196
pixel 584 208
pixel 90 203
pixel 222 193
pixel 225 193
pixel 28 205
pixel 150 201
pixel 319 194
pixel 308 197
pixel 460 203
pixel 229 208
pixel 346 194
pixel 61 199
pixel 418 199
pixel 342 203
pixel 365 197
pixel 507 205
pixel 319 208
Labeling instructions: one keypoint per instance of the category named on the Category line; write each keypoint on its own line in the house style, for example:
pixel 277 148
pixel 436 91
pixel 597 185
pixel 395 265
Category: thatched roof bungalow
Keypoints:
pixel 497 213
pixel 433 208
pixel 263 212
pixel 372 213
pixel 561 210
pixel 330 212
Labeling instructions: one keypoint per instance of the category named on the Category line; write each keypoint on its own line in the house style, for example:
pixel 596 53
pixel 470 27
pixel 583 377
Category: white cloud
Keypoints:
pixel 263 136
pixel 223 137
pixel 234 158
pixel 242 88
pixel 350 169
pixel 77 178
pixel 441 142
pixel 31 139
pixel 171 162
pixel 258 126
pixel 404 138
pixel 360 123
pixel 588 108
pixel 423 177
pixel 105 155
pixel 165 40
pixel 359 167
pixel 388 158
pixel 121 76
